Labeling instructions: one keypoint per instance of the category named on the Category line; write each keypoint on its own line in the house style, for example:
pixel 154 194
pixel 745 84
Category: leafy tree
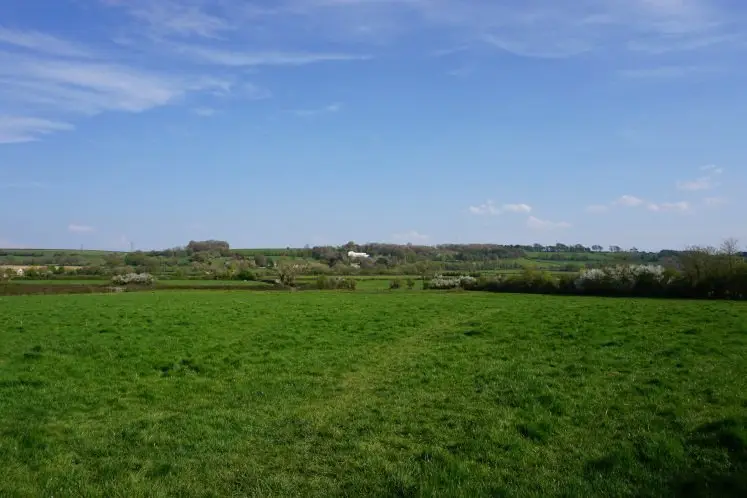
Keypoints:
pixel 219 246
pixel 260 260
pixel 288 272
pixel 697 263
pixel 137 258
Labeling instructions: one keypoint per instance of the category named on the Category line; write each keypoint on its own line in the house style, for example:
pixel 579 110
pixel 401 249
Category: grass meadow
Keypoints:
pixel 225 393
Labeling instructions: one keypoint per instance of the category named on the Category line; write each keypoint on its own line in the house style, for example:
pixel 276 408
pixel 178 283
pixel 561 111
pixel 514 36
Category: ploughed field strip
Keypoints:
pixel 228 393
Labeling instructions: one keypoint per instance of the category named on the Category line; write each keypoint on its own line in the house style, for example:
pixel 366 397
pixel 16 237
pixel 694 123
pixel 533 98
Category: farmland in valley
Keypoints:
pixel 220 393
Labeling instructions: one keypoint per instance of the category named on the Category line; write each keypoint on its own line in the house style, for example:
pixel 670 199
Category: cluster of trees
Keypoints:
pixel 214 259
pixel 699 272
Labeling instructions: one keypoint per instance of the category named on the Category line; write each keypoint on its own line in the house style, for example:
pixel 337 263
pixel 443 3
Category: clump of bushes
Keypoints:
pixel 245 274
pixel 134 279
pixel 713 277
pixel 395 284
pixel 410 284
pixel 326 283
pixel 440 282
pixel 625 279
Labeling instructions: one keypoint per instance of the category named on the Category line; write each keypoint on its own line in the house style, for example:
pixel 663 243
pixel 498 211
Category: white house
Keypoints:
pixel 357 255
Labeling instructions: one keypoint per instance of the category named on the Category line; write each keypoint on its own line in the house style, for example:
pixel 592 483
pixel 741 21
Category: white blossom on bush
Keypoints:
pixel 439 282
pixel 621 276
pixel 133 279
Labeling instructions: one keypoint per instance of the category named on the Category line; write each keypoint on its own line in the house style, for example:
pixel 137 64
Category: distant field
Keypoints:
pixel 227 393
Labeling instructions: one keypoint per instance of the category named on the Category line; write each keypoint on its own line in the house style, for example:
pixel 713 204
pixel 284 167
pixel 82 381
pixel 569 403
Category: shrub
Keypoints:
pixel 288 271
pixel 439 282
pixel 245 274
pixel 324 283
pixel 133 279
pixel 410 283
pixel 395 284
pixel 624 279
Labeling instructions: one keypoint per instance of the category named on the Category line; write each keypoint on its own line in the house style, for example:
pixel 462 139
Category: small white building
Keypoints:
pixel 357 255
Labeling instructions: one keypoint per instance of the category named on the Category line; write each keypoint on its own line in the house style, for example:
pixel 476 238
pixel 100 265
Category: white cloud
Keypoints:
pixel 166 51
pixel 630 201
pixel 205 112
pixel 517 208
pixel 56 80
pixel 489 208
pixel 715 201
pixel 75 228
pixel 597 208
pixel 88 87
pixel 168 17
pixel 19 129
pixel 668 72
pixel 541 28
pixel 681 206
pixel 230 58
pixel 665 45
pixel 329 109
pixel 712 169
pixel 484 209
pixel 538 224
pixel 40 42
pixel 66 87
pixel 412 237
pixel 703 183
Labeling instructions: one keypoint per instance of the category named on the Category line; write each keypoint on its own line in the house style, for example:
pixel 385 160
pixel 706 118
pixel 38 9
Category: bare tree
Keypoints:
pixel 730 251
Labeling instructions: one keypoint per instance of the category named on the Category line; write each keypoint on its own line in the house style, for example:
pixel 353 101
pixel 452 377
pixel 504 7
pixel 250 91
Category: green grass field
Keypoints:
pixel 224 393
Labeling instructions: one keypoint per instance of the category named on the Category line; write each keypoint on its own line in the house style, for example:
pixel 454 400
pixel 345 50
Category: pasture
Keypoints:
pixel 226 393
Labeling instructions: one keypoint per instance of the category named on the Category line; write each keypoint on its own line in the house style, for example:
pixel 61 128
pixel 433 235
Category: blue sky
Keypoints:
pixel 299 122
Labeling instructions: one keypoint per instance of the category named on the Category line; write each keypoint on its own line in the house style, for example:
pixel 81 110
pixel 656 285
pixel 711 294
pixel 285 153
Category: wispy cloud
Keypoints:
pixel 702 183
pixel 547 28
pixel 630 201
pixel 232 58
pixel 675 43
pixel 517 208
pixel 41 42
pixel 50 82
pixel 170 51
pixel 76 228
pixel 712 169
pixel 668 72
pixel 706 182
pixel 87 87
pixel 681 206
pixel 538 224
pixel 205 112
pixel 491 209
pixel 20 129
pixel 715 201
pixel 178 18
pixel 328 109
